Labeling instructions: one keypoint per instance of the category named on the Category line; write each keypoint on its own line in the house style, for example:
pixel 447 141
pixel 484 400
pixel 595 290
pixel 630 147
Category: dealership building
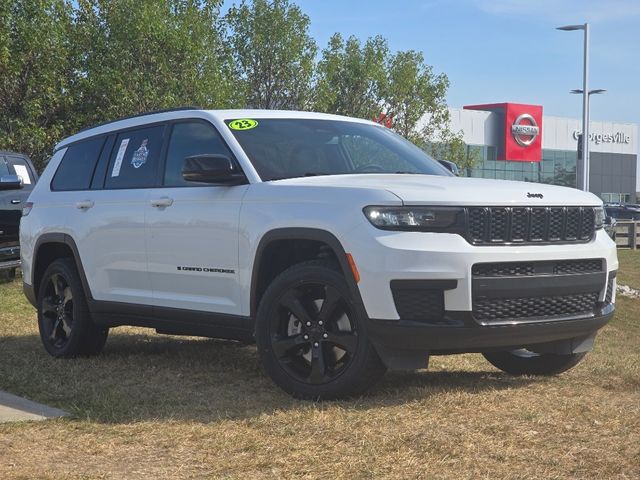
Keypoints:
pixel 516 142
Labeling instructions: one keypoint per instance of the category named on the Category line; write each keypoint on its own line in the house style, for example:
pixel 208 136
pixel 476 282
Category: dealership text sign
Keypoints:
pixel 597 138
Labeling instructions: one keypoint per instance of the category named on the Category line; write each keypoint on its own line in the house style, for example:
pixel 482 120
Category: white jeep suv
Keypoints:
pixel 337 245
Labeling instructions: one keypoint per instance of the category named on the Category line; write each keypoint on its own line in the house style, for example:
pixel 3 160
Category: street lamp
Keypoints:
pixel 591 92
pixel 585 102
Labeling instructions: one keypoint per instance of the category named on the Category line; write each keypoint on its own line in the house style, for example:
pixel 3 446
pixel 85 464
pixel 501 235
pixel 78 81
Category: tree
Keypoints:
pixel 412 91
pixel 273 52
pixel 367 80
pixel 350 77
pixel 35 75
pixel 451 146
pixel 139 55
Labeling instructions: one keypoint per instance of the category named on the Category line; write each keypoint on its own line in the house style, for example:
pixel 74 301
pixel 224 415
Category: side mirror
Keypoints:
pixel 452 167
pixel 10 182
pixel 211 168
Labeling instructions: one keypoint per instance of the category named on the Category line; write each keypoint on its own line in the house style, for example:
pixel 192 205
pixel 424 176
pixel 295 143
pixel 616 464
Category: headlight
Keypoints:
pixel 600 215
pixel 421 219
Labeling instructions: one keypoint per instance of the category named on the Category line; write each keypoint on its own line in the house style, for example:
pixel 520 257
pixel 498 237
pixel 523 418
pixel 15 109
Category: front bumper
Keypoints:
pixel 382 257
pixel 9 257
pixel 557 307
pixel 404 338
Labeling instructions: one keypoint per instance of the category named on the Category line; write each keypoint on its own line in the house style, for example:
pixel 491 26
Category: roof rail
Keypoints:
pixel 176 109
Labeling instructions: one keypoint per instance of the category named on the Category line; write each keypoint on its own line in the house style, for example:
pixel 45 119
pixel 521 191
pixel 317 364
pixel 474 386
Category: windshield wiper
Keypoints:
pixel 308 174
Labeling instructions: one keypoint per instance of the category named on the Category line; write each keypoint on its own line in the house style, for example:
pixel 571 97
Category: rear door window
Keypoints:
pixel 134 159
pixel 77 166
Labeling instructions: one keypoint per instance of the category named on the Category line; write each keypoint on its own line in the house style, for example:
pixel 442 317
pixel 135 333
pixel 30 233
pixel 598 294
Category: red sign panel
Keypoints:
pixel 521 130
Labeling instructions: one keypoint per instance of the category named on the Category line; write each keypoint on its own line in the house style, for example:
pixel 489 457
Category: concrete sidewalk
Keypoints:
pixel 18 409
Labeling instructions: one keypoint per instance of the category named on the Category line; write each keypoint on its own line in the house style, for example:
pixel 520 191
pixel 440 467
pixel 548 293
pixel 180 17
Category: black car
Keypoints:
pixel 17 179
pixel 623 211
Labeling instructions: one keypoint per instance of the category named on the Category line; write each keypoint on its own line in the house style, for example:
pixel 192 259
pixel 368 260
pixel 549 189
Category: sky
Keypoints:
pixel 506 50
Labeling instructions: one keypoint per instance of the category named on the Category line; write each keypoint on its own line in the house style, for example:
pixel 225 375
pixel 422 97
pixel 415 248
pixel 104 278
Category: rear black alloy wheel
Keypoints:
pixel 311 337
pixel 64 320
pixel 57 311
pixel 527 362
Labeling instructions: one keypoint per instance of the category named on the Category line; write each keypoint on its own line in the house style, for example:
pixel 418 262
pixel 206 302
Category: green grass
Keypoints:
pixel 629 271
pixel 175 407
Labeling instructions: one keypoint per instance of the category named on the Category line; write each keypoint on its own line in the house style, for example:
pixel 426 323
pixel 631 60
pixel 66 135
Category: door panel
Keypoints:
pixel 110 234
pixel 11 201
pixel 7 220
pixel 192 247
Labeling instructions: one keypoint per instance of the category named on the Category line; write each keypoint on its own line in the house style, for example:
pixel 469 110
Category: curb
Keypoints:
pixel 18 409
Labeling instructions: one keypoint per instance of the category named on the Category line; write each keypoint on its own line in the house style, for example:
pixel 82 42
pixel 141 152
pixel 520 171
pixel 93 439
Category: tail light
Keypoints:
pixel 26 209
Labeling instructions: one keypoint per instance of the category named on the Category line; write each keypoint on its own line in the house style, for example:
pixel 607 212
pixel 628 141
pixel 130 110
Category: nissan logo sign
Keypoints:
pixel 525 133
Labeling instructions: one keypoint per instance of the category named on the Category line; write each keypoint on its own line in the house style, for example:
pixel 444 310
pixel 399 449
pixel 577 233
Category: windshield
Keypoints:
pixel 288 148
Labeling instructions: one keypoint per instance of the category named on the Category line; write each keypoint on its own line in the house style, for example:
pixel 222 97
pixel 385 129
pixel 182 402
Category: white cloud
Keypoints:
pixel 574 11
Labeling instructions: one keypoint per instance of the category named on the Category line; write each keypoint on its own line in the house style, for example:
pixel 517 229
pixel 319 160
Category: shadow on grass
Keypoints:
pixel 147 377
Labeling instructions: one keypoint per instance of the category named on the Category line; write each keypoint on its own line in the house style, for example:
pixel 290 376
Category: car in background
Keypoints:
pixel 17 178
pixel 623 211
pixel 610 224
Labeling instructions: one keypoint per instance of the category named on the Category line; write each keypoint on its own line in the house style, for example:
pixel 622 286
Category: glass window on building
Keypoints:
pixel 557 167
pixel 615 197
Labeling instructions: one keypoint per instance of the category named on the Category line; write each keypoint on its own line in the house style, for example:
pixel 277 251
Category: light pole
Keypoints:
pixel 585 102
pixel 586 165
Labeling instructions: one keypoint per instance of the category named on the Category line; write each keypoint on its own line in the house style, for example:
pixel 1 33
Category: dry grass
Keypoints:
pixel 629 272
pixel 169 407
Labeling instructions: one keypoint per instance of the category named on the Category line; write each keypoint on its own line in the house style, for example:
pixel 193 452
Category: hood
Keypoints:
pixel 441 190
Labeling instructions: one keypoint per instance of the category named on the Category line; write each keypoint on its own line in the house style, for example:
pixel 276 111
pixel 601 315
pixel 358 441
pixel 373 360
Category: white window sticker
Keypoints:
pixel 118 163
pixel 23 173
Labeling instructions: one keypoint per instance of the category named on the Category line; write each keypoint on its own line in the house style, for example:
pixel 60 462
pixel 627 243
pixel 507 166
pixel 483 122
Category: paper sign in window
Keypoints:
pixel 118 163
pixel 23 173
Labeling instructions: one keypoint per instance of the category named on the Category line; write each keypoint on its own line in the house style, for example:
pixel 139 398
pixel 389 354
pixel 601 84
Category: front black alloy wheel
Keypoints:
pixel 64 321
pixel 310 336
pixel 312 333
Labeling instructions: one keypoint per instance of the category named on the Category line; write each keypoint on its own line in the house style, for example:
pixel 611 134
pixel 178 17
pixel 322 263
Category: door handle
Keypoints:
pixel 16 202
pixel 162 202
pixel 85 204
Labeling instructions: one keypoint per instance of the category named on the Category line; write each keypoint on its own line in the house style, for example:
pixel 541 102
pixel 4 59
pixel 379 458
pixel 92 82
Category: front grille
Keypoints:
pixel 492 309
pixel 529 225
pixel 572 267
pixel 522 269
pixel 510 269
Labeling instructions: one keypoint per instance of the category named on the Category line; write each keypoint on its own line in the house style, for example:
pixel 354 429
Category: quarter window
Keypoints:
pixel 188 139
pixel 77 166
pixel 134 159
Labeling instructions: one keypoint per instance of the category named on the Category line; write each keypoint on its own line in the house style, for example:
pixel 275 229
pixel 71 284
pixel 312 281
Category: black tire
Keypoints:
pixel 327 355
pixel 526 362
pixel 64 321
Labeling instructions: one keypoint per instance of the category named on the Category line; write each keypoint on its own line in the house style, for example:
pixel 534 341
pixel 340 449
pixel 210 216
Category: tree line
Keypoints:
pixel 68 65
